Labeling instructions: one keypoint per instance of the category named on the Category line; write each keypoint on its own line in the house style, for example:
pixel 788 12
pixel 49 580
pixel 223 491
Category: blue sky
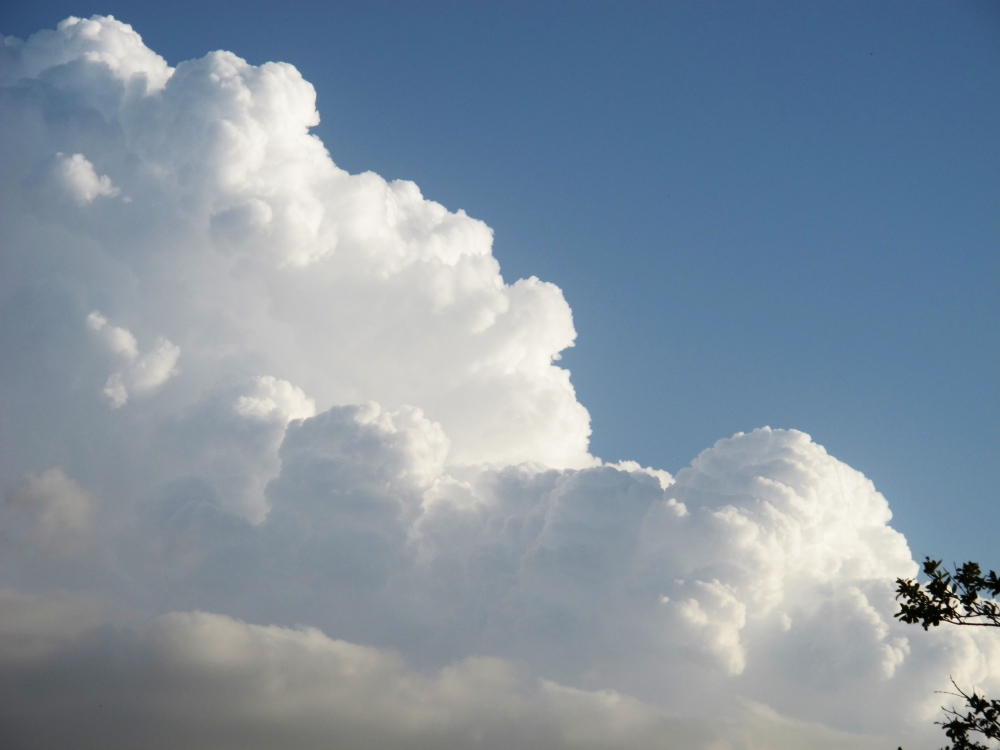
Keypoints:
pixel 778 213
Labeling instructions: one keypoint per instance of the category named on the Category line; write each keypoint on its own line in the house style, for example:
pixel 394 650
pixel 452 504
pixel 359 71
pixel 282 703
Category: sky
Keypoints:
pixel 774 214
pixel 335 379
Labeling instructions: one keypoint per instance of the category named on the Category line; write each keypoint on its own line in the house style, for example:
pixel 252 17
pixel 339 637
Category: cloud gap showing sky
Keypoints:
pixel 286 462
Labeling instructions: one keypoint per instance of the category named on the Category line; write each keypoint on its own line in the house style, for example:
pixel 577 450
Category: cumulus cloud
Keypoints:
pixel 76 175
pixel 145 372
pixel 362 511
pixel 275 399
pixel 91 41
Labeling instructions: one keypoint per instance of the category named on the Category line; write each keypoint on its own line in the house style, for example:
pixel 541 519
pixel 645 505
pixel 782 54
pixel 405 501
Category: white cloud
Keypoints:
pixel 145 372
pixel 77 177
pixel 244 238
pixel 714 620
pixel 275 399
pixel 370 435
pixel 95 42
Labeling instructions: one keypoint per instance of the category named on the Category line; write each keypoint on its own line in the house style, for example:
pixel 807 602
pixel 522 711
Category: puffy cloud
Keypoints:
pixel 77 176
pixel 369 434
pixel 93 41
pixel 244 240
pixel 145 373
pixel 275 399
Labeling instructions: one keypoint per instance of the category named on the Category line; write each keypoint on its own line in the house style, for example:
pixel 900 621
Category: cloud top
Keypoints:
pixel 83 42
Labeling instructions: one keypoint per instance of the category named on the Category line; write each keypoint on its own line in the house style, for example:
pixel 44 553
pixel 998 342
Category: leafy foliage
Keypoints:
pixel 956 598
pixel 982 716
pixel 948 597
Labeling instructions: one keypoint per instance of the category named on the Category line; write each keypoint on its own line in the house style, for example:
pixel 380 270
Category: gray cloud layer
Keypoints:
pixel 243 386
pixel 207 681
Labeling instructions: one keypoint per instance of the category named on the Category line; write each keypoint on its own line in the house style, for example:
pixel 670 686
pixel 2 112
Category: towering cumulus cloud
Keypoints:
pixel 286 462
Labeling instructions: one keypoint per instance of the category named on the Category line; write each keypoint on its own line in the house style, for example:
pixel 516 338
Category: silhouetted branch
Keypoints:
pixel 955 598
pixel 948 597
pixel 982 716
